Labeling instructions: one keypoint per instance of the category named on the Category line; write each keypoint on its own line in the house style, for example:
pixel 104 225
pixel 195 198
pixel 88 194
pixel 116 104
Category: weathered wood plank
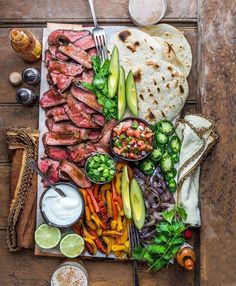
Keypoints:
pixel 9 62
pixel 4 194
pixel 78 10
pixel 218 193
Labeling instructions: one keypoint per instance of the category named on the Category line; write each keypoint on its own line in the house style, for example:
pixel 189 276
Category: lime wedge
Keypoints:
pixel 47 236
pixel 72 245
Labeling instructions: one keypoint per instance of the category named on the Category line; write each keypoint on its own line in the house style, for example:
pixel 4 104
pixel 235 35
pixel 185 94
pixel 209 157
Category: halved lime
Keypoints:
pixel 72 245
pixel 47 236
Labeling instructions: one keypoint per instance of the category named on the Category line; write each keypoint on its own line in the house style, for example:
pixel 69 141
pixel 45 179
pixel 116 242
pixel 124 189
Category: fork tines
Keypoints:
pixel 133 236
pixel 100 42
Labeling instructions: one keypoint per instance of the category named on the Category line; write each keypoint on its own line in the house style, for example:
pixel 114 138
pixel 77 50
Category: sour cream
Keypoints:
pixel 147 12
pixel 62 211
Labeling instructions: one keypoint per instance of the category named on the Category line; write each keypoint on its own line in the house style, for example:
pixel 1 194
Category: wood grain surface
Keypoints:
pixel 78 10
pixel 217 85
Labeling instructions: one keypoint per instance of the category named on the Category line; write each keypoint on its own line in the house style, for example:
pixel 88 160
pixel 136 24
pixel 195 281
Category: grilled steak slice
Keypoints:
pixel 77 115
pixel 106 132
pixel 61 81
pixel 69 69
pixel 47 56
pixel 53 51
pixel 76 54
pixel 98 119
pixel 81 151
pixel 50 99
pixel 76 174
pixel 50 168
pixel 61 57
pixel 92 52
pixel 61 127
pixel 86 97
pixel 85 43
pixel 58 37
pixel 86 76
pixel 58 113
pixel 57 153
pixel 60 139
pixel 102 148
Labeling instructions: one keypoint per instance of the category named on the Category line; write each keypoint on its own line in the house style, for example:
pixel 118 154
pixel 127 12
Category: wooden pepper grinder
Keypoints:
pixel 186 257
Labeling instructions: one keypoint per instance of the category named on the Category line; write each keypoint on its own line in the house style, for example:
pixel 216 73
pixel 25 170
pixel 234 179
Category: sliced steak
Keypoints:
pixel 86 76
pixel 50 168
pixel 61 127
pixel 106 132
pixel 57 153
pixel 92 52
pixel 61 81
pixel 85 43
pixel 69 69
pixel 103 148
pixel 77 115
pixel 58 113
pixel 76 174
pixel 47 56
pixel 86 97
pixel 98 119
pixel 60 36
pixel 76 54
pixel 50 99
pixel 81 151
pixel 60 139
pixel 61 57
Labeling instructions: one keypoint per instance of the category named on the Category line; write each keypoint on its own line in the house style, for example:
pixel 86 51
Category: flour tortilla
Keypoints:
pixel 136 45
pixel 177 41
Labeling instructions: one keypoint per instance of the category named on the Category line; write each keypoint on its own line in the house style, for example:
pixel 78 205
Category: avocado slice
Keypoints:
pixel 137 204
pixel 125 193
pixel 114 70
pixel 121 94
pixel 131 94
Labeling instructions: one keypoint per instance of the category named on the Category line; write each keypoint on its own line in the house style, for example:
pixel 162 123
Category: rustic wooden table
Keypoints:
pixel 209 27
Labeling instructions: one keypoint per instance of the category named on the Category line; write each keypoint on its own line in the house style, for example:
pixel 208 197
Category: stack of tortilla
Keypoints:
pixel 160 59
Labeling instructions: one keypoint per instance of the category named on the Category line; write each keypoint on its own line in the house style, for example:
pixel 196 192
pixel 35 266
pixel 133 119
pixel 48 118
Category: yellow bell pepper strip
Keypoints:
pixel 127 244
pixel 99 231
pixel 109 206
pixel 111 233
pixel 119 247
pixel 113 224
pixel 108 242
pixel 90 245
pixel 96 207
pixel 98 222
pixel 87 233
pixel 87 213
pixel 118 182
pixel 119 167
pixel 97 240
pixel 117 253
pixel 125 234
pixel 119 223
pixel 91 224
pixel 95 190
pixel 103 191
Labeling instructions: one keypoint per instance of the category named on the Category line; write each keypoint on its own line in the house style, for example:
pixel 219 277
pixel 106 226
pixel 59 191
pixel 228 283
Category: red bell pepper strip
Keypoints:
pixel 114 192
pixel 114 210
pixel 95 204
pixel 119 200
pixel 95 190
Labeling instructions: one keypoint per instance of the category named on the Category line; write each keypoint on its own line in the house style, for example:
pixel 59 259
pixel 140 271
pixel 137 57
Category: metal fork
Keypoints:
pixel 134 242
pixel 99 35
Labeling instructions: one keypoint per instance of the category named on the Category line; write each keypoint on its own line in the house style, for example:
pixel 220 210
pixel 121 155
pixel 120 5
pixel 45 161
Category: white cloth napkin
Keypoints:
pixel 198 137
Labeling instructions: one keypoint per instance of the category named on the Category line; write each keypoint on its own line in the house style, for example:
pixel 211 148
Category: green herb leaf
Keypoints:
pixel 162 227
pixel 181 212
pixel 156 249
pixel 168 215
pixel 138 252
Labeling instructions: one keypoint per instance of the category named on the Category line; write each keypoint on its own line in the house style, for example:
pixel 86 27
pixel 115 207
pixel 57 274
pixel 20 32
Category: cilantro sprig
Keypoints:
pixel 167 242
pixel 100 88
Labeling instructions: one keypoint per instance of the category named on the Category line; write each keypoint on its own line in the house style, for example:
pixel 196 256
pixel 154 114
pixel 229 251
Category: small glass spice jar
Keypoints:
pixel 70 273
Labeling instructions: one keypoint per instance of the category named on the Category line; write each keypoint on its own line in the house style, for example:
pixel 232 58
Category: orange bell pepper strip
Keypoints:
pixel 95 190
pixel 111 233
pixel 114 210
pixel 103 191
pixel 119 200
pixel 118 183
pixel 87 213
pixel 114 192
pixel 109 204
pixel 90 204
pixel 89 233
pixel 120 166
pixel 119 223
pixel 84 194
pixel 91 224
pixel 95 204
pixel 130 173
pixel 90 245
pixel 97 221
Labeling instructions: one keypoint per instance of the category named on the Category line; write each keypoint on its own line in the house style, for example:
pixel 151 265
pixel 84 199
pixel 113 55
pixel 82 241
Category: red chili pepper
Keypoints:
pixel 95 204
pixel 95 190
pixel 114 210
pixel 188 234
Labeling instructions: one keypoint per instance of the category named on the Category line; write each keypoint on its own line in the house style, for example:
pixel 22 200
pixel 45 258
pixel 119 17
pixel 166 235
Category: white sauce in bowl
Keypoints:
pixel 62 211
